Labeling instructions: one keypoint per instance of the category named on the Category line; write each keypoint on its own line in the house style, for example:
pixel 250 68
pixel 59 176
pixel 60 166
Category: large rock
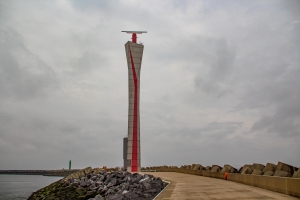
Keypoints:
pixel 286 168
pixel 79 174
pixel 229 169
pixel 257 166
pixel 269 167
pixel 216 168
pixel 297 174
pixel 96 170
pixel 87 170
pixel 97 197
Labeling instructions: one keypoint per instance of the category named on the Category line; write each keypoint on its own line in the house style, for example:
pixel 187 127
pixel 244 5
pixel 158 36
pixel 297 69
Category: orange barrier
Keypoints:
pixel 225 175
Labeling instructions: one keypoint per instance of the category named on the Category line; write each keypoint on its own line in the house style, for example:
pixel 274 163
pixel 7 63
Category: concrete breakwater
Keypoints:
pixel 97 184
pixel 61 172
pixel 279 170
pixel 282 178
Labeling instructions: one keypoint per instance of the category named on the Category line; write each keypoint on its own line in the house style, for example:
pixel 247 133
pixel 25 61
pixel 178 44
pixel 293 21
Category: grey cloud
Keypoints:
pixel 87 62
pixel 23 74
pixel 279 93
pixel 212 130
pixel 212 59
pixel 93 4
pixel 285 122
pixel 219 82
pixel 223 64
pixel 292 6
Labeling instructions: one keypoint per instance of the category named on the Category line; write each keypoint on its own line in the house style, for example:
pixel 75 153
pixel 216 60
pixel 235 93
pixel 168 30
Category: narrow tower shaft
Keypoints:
pixel 134 53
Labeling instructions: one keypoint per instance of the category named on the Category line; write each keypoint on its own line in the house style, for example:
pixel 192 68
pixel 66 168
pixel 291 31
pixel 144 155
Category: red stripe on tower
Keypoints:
pixel 134 166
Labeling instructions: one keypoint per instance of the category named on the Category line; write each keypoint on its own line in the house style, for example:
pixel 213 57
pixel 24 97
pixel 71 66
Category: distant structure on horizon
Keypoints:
pixel 125 141
pixel 134 55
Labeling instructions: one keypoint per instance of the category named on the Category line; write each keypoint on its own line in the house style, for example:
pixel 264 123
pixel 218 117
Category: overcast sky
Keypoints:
pixel 220 82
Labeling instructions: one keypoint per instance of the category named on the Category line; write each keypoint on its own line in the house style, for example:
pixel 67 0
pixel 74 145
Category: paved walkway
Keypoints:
pixel 186 186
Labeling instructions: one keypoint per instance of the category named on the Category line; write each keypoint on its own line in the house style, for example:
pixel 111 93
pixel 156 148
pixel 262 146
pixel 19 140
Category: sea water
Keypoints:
pixel 15 187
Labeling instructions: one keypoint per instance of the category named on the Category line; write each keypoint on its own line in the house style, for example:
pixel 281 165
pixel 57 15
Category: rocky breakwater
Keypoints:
pixel 97 184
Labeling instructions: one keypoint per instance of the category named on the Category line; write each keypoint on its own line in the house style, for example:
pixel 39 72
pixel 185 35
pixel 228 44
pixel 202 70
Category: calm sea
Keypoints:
pixel 13 187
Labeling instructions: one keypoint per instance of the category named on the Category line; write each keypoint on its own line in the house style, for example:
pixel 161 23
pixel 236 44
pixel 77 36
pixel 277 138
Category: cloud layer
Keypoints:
pixel 219 82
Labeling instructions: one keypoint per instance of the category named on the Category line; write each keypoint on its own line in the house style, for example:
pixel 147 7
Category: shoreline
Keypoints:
pixel 59 173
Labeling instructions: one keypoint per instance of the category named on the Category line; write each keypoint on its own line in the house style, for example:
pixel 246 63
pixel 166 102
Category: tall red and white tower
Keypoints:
pixel 134 55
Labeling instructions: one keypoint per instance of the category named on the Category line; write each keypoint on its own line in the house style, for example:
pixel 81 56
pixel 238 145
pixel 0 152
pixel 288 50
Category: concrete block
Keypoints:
pixel 240 178
pixel 240 170
pixel 268 173
pixel 247 170
pixel 232 170
pixel 232 177
pixel 229 169
pixel 206 173
pixel 188 167
pixel 198 167
pixel 269 167
pixel 285 167
pixel 194 172
pixel 293 186
pixel 247 165
pixel 222 175
pixel 276 184
pixel 216 168
pixel 296 174
pixel 257 166
pixel 211 174
pixel 257 172
pixel 226 168
pixel 282 173
pixel 208 168
pixel 199 172
pixel 246 179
